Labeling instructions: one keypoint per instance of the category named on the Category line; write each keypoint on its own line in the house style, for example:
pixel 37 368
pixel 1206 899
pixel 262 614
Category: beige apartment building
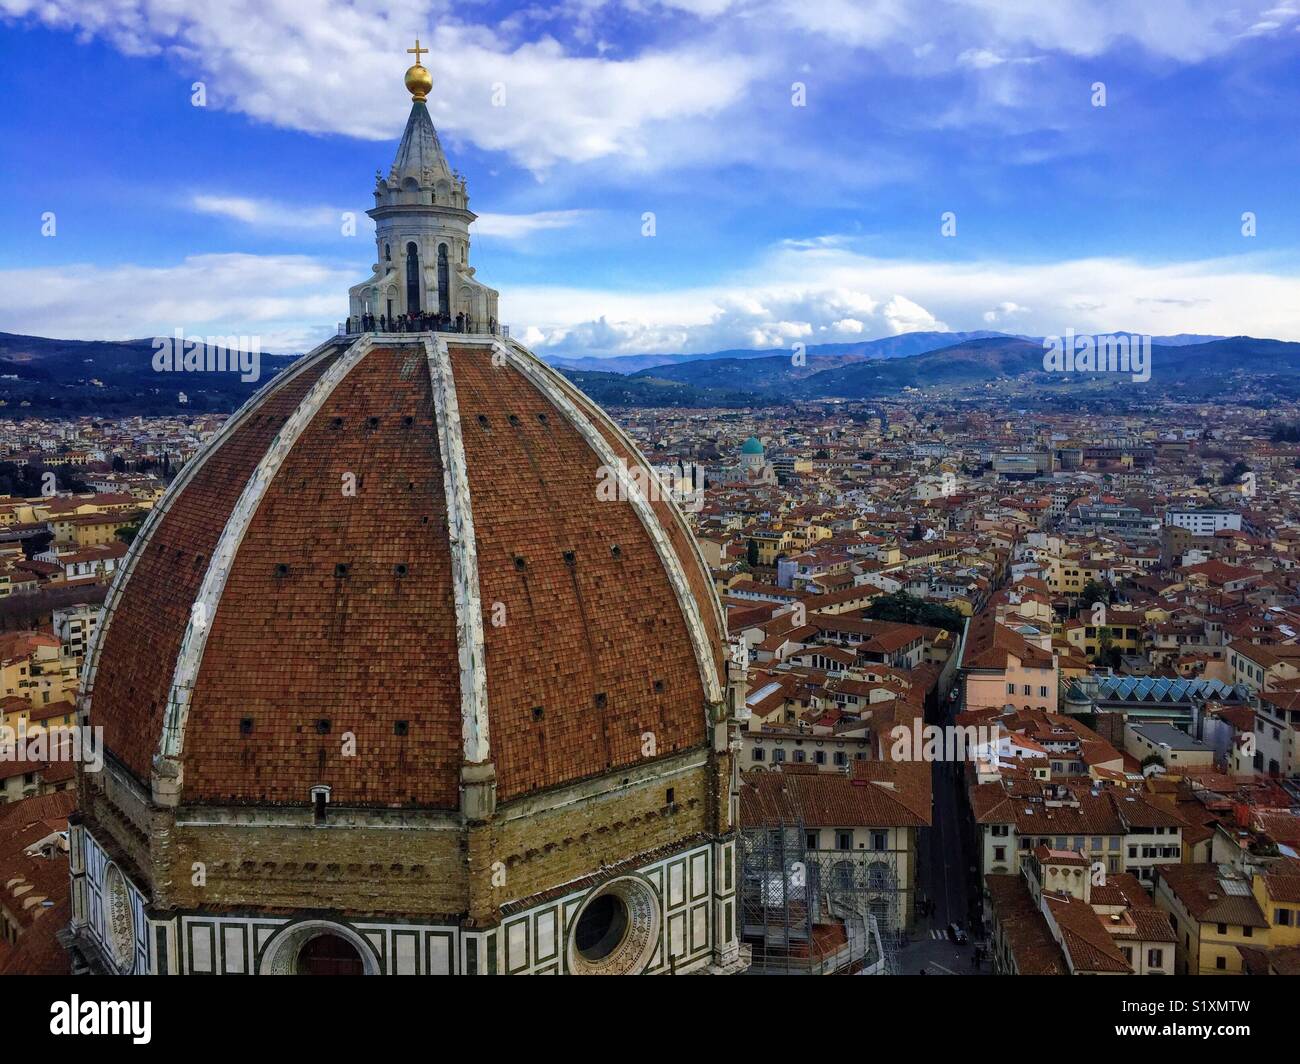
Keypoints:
pixel 1003 666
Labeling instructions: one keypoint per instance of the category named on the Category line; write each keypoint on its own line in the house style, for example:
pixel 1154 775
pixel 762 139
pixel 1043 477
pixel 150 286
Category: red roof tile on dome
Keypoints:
pixel 601 626
pixel 140 640
pixel 594 650
pixel 359 651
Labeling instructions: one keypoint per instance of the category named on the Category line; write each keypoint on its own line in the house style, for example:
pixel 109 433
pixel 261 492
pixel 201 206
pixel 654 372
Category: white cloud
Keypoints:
pixel 1004 311
pixel 328 66
pixel 332 66
pixel 519 226
pixel 807 294
pixel 265 214
pixel 291 301
pixel 1188 30
pixel 983 59
pixel 813 295
pixel 904 316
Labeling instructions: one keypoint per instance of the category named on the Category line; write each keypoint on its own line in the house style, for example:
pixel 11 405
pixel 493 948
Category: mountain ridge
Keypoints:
pixel 50 377
pixel 901 345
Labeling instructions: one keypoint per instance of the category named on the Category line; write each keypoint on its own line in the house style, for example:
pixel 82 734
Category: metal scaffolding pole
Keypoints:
pixel 819 912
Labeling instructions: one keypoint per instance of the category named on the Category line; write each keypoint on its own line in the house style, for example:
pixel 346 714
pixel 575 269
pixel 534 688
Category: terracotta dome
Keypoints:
pixel 394 562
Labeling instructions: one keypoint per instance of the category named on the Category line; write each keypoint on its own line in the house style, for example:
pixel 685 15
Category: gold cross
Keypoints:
pixel 416 51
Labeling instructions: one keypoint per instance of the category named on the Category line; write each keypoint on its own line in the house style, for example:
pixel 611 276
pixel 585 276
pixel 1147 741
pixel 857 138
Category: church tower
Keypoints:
pixel 422 221
pixel 389 685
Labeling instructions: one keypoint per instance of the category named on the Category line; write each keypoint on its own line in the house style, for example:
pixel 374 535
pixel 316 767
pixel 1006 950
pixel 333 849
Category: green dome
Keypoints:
pixel 751 446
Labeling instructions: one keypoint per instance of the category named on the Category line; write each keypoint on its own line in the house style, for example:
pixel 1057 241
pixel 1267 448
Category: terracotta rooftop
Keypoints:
pixel 828 799
pixel 1026 932
pixel 1208 896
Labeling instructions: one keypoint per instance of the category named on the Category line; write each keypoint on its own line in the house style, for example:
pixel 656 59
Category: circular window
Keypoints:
pixel 120 920
pixel 601 928
pixel 616 929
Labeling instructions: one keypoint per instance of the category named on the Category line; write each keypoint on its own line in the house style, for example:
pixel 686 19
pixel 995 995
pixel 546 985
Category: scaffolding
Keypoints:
pixel 819 912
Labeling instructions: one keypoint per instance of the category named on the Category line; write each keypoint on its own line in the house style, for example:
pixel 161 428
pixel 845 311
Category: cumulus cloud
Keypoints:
pixel 1004 311
pixel 821 296
pixel 563 85
pixel 333 67
pixel 291 301
pixel 810 295
pixel 904 316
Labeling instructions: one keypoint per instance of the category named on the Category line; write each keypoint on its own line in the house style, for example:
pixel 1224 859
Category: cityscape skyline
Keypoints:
pixel 745 488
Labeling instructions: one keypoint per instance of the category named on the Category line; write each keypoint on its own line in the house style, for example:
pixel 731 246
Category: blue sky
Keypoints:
pixel 774 223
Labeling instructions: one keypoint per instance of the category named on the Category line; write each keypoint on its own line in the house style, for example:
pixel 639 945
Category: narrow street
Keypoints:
pixel 946 858
pixel 946 879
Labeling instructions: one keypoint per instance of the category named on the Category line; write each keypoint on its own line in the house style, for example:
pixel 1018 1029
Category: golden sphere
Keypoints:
pixel 418 82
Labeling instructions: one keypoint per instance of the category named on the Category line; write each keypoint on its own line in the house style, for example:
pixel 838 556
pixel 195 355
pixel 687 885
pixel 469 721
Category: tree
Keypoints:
pixel 1108 655
pixel 751 552
pixel 908 609
pixel 1233 475
pixel 1094 591
pixel 68 478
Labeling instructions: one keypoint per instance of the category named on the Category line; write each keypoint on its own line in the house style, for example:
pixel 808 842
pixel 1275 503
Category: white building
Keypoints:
pixel 941 486
pixel 1203 521
pixel 74 625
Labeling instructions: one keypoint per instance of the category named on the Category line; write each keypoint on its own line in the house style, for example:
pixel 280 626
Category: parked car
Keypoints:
pixel 957 933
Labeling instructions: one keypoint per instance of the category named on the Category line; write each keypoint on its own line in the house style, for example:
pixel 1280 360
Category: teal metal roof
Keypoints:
pixel 1159 689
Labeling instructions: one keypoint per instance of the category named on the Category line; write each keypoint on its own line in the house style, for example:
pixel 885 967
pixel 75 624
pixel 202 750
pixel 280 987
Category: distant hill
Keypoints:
pixel 972 362
pixel 774 371
pixel 901 346
pixel 614 389
pixel 1183 339
pixel 913 343
pixel 1013 364
pixel 1186 370
pixel 115 379
pixel 849 376
pixel 111 378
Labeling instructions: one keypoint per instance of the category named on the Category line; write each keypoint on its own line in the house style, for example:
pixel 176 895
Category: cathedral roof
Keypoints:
pixel 419 155
pixel 402 543
pixel 751 446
